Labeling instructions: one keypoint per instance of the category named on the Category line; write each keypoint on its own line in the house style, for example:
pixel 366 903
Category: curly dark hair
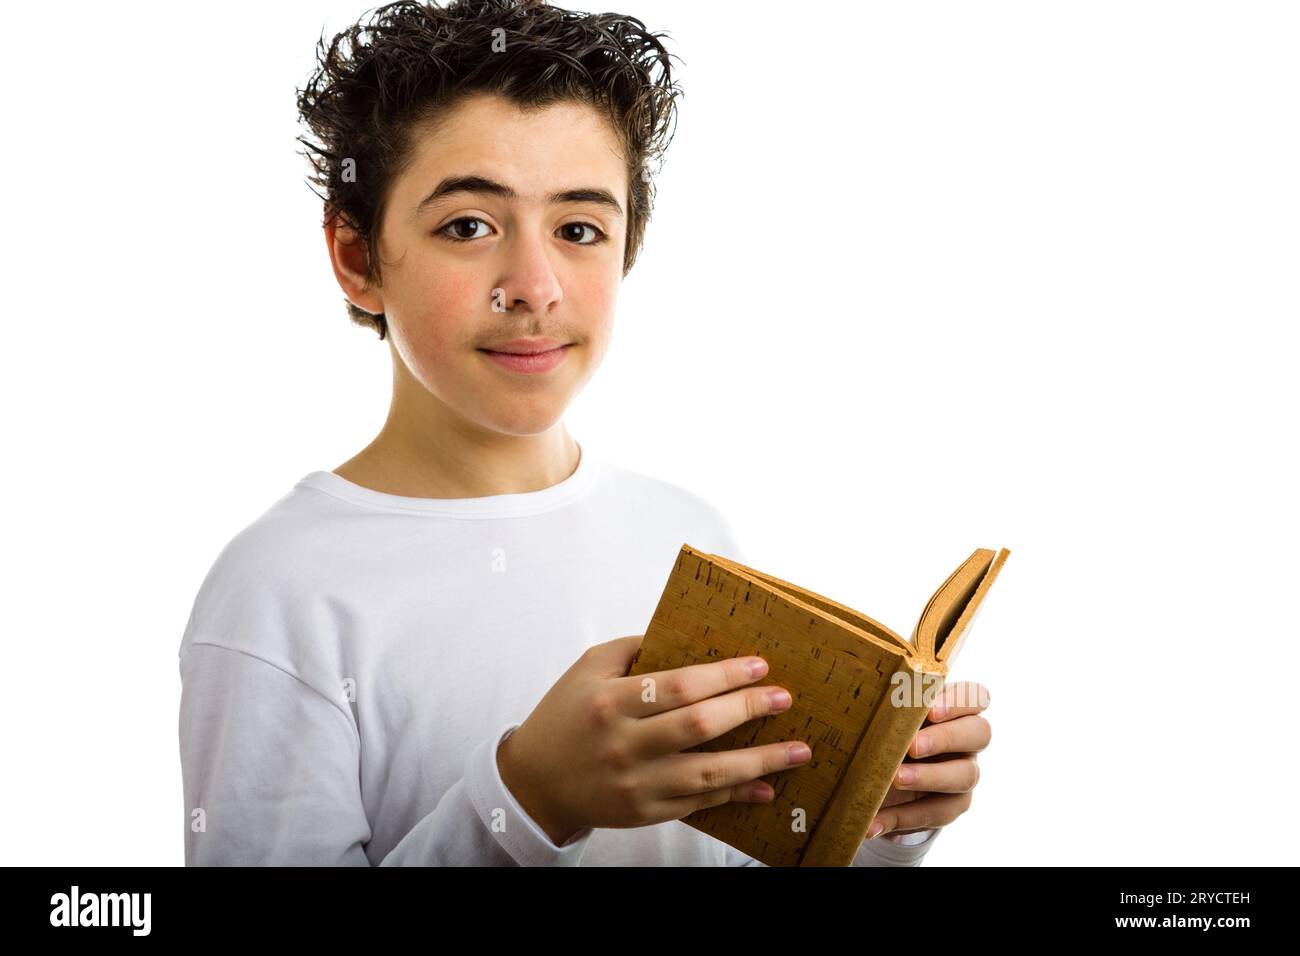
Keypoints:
pixel 376 82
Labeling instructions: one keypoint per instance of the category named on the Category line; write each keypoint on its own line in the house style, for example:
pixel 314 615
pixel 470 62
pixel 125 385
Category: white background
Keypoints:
pixel 922 277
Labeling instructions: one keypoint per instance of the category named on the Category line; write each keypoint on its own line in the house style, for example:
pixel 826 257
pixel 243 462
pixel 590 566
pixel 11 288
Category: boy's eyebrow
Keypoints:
pixel 481 184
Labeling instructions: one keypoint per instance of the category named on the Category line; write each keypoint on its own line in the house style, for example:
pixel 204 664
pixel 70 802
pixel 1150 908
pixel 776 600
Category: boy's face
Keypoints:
pixel 557 263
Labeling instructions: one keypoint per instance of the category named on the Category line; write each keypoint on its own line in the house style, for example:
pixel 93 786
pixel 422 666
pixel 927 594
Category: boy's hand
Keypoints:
pixel 945 772
pixel 600 751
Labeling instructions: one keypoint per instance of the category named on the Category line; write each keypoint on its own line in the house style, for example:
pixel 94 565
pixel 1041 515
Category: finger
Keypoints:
pixel 693 774
pixel 641 695
pixel 958 700
pixel 928 813
pixel 612 658
pixel 948 776
pixel 743 793
pixel 695 724
pixel 969 734
pixel 893 796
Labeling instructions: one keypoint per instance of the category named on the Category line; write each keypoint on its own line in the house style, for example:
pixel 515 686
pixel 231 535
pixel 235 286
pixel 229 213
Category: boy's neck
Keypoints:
pixel 448 464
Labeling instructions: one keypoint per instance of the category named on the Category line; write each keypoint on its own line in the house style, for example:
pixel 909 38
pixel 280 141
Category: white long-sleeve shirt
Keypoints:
pixel 353 659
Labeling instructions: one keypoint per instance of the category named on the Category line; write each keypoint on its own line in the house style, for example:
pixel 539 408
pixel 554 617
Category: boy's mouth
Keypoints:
pixel 526 346
pixel 528 361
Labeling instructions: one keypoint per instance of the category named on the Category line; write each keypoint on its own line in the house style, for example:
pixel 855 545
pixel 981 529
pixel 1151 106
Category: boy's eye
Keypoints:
pixel 465 229
pixel 459 236
pixel 598 237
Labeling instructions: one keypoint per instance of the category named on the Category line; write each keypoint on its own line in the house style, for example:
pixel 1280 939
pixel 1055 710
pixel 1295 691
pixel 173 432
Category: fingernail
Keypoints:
pixel 923 744
pixel 757 666
pixel 906 775
pixel 875 830
pixel 778 699
pixel 939 712
pixel 798 753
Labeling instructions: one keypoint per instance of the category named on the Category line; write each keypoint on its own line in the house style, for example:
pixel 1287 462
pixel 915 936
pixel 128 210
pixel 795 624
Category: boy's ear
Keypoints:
pixel 348 256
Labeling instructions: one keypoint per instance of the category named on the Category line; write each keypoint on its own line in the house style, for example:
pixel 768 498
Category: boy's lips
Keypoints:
pixel 542 361
pixel 525 346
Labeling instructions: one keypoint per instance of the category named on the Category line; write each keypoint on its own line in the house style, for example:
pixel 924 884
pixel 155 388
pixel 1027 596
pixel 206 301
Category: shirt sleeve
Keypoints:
pixel 271 777
pixel 878 852
pixel 909 850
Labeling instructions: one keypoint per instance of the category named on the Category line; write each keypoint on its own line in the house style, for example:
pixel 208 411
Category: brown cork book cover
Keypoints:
pixel 860 693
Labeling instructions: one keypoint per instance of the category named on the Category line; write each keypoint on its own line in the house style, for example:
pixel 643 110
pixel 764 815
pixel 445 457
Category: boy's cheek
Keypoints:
pixel 594 293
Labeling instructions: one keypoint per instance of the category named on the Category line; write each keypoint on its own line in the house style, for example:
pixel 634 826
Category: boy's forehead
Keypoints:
pixel 535 151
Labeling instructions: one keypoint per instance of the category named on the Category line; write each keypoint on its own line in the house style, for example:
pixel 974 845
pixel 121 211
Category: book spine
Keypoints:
pixel 865 783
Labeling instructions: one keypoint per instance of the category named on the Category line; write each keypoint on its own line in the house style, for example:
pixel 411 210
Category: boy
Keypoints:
pixel 408 660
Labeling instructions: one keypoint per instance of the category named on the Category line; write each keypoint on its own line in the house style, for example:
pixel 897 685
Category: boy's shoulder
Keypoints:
pixel 249 591
pixel 714 533
pixel 638 482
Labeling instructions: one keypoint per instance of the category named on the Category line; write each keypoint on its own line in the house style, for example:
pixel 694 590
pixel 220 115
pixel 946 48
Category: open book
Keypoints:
pixel 860 694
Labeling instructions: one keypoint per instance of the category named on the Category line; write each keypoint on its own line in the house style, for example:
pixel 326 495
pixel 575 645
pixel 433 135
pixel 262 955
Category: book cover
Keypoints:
pixel 860 693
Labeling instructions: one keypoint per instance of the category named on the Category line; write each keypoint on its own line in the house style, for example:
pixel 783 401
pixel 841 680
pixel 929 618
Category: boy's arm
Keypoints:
pixel 273 765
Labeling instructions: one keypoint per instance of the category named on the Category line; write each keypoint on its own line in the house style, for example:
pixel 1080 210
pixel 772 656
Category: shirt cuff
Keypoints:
pixel 882 851
pixel 517 833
